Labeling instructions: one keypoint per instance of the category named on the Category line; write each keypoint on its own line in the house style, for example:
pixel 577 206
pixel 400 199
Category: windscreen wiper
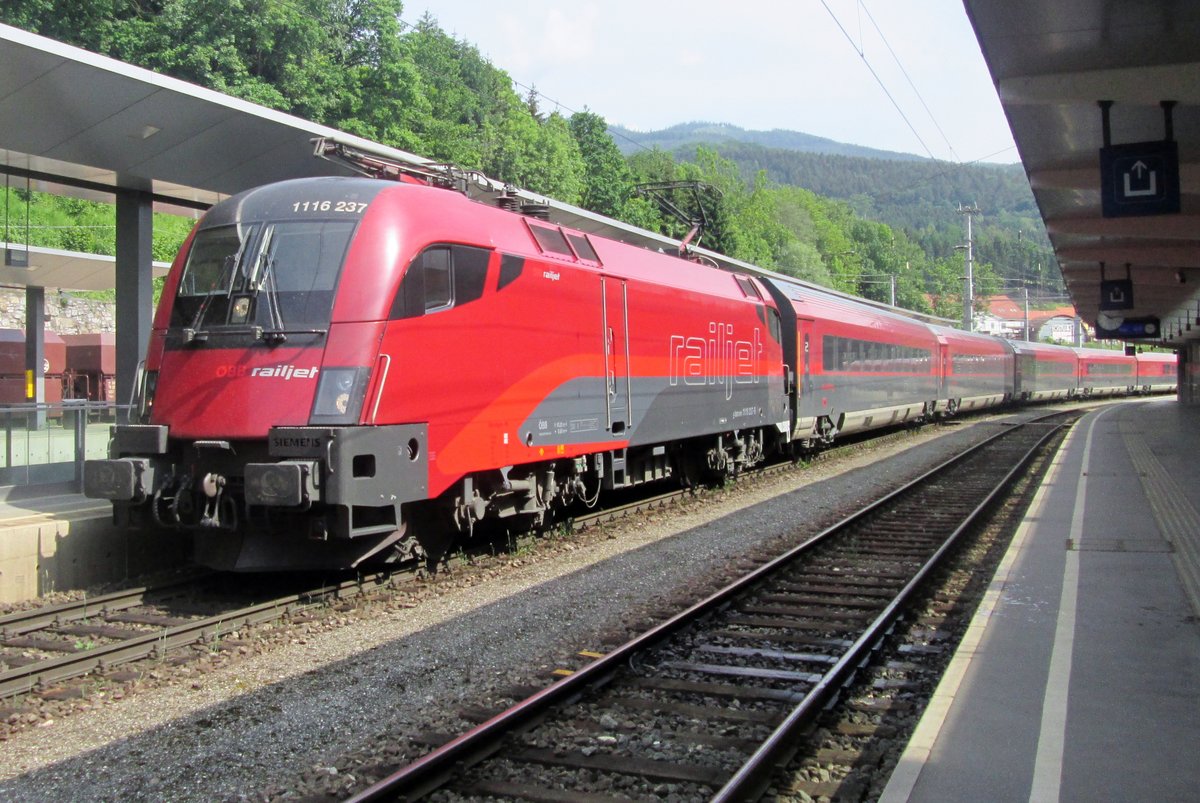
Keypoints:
pixel 192 331
pixel 277 333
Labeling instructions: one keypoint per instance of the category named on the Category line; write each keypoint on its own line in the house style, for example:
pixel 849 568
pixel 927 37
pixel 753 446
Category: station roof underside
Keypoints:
pixel 69 270
pixel 86 125
pixel 1052 64
pixel 70 113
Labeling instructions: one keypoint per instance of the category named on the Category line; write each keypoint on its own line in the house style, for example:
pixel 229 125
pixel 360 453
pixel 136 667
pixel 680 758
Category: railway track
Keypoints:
pixel 709 703
pixel 56 643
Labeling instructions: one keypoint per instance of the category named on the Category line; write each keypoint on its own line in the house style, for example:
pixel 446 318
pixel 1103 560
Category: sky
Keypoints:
pixel 756 64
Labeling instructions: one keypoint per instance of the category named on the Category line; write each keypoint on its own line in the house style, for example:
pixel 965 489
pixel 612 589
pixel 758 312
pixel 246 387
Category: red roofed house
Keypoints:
pixel 1004 317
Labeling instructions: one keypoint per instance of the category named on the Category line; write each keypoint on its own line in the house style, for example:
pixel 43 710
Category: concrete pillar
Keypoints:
pixel 135 292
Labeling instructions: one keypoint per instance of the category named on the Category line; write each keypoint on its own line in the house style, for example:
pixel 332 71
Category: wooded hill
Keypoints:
pixel 686 136
pixel 916 195
pixel 357 66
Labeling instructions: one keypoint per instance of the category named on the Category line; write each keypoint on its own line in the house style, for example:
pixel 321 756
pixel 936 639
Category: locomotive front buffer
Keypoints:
pixel 358 476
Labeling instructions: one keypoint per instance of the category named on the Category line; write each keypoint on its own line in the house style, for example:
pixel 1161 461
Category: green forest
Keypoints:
pixel 356 65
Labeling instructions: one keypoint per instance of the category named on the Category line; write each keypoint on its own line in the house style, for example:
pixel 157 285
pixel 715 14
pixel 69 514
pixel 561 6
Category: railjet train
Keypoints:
pixel 344 369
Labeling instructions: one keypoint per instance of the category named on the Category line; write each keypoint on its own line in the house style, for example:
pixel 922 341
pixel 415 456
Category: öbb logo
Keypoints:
pixel 284 372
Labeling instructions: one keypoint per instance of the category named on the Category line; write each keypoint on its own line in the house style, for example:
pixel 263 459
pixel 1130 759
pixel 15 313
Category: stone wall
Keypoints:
pixel 65 313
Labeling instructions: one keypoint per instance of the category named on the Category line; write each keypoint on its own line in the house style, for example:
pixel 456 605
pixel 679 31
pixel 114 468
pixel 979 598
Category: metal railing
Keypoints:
pixel 46 444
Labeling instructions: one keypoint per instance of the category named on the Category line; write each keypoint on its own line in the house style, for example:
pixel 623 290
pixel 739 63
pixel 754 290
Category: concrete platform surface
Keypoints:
pixel 1079 679
pixel 53 539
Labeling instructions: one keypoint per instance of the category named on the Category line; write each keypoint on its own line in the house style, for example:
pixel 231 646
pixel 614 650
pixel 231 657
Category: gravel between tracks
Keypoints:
pixel 262 722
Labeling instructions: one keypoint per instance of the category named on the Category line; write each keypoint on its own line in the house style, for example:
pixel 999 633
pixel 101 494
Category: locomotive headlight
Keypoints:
pixel 241 310
pixel 340 393
pixel 148 390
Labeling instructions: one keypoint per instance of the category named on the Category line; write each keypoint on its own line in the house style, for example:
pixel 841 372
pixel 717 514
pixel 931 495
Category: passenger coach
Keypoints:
pixel 1105 373
pixel 859 367
pixel 975 371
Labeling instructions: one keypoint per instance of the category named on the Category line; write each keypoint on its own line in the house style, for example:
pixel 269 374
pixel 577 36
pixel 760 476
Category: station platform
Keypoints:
pixel 1079 678
pixel 52 538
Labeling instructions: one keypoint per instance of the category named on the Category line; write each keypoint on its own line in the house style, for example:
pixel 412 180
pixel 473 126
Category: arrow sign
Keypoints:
pixel 1140 178
pixel 1116 294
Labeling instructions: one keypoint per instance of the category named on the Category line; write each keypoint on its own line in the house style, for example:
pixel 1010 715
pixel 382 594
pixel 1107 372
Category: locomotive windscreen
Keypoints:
pixel 275 275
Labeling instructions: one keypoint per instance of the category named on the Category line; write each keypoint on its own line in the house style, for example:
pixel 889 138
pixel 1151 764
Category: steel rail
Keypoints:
pixel 21 622
pixel 24 679
pixel 749 782
pixel 432 770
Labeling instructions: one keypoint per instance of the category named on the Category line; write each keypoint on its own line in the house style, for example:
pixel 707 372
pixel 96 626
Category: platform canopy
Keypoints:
pixel 66 113
pixel 1053 63
pixel 66 270
pixel 73 122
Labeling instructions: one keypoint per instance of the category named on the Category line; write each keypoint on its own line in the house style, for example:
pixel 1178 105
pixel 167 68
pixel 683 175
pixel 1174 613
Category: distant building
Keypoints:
pixel 1060 329
pixel 1004 317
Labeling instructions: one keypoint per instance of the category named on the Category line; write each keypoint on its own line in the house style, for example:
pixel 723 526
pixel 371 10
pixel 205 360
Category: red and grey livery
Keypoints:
pixel 344 366
pixel 348 368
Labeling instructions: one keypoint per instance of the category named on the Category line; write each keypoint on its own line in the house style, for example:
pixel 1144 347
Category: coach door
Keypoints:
pixel 806 348
pixel 619 395
pixel 945 372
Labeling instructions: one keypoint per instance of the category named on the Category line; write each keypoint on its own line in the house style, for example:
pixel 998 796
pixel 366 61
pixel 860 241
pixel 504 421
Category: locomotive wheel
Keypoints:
pixel 689 468
pixel 434 531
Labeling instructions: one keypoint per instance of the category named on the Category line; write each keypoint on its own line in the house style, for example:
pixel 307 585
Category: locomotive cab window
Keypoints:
pixel 440 278
pixel 273 275
pixel 435 267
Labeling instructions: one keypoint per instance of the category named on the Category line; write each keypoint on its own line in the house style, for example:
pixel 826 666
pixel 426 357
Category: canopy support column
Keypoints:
pixel 135 289
pixel 35 353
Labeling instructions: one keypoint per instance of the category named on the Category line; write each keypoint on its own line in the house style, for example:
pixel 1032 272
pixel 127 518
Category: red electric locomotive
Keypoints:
pixel 342 368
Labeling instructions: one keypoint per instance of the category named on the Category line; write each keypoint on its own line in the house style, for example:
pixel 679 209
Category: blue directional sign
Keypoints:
pixel 1140 178
pixel 1127 328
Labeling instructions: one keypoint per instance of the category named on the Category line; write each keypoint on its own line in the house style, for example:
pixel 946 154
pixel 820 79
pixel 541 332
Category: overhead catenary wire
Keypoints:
pixel 863 55
pixel 904 72
pixel 529 88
